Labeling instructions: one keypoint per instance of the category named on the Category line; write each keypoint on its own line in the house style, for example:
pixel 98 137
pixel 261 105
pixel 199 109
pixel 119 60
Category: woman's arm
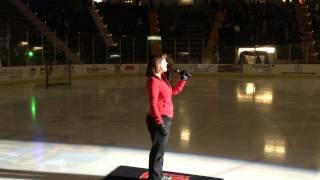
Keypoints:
pixel 153 93
pixel 178 87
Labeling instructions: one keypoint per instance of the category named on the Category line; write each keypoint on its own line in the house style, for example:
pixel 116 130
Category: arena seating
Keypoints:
pixel 184 30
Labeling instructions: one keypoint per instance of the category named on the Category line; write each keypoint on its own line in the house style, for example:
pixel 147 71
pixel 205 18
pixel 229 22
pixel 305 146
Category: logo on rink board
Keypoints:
pixel 33 72
pixel 298 68
pixel 11 74
pixel 262 68
pixel 96 69
pixel 230 68
pixel 129 68
pixel 173 176
pixel 117 68
pixel 204 68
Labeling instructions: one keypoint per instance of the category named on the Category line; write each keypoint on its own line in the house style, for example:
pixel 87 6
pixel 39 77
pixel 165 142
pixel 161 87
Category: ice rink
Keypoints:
pixel 236 128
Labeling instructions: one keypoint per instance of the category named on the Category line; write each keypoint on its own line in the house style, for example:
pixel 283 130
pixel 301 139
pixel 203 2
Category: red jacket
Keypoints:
pixel 160 96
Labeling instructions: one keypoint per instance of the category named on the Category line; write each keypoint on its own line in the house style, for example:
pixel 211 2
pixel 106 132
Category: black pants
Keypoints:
pixel 159 145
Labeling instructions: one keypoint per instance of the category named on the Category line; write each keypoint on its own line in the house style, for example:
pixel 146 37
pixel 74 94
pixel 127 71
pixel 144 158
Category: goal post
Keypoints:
pixel 58 74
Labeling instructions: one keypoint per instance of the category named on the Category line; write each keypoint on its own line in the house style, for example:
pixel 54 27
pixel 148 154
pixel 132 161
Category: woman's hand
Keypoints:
pixel 163 130
pixel 185 75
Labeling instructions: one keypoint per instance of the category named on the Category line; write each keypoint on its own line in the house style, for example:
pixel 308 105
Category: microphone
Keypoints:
pixel 178 70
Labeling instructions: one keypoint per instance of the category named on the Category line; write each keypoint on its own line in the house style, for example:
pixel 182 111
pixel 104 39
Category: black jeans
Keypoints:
pixel 159 145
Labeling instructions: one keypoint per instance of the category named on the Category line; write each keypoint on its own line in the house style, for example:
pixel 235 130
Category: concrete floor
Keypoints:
pixel 236 128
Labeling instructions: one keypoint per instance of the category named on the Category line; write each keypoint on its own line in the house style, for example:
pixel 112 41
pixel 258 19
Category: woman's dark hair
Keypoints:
pixel 154 64
pixel 170 71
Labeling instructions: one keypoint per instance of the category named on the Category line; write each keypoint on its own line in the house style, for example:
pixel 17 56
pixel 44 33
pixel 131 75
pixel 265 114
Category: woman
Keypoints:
pixel 160 113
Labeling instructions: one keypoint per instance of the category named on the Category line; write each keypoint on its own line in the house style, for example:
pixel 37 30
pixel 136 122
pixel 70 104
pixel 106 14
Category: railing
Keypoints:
pixel 22 47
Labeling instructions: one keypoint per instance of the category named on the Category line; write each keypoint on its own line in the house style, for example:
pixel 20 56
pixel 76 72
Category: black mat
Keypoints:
pixel 134 173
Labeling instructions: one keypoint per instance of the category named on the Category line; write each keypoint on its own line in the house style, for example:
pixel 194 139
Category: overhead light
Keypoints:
pixel 269 50
pixel 37 48
pixel 114 56
pixel 154 38
pixel 186 2
pixel 184 53
pixel 23 43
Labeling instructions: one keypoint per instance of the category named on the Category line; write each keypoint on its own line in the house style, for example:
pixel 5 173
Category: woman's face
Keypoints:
pixel 163 65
